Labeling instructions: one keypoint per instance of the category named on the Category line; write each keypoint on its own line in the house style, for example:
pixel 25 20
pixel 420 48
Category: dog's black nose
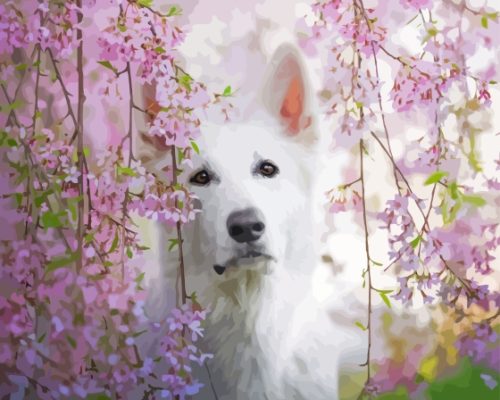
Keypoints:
pixel 245 225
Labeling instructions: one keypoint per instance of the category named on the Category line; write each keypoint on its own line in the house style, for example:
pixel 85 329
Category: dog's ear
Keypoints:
pixel 286 93
pixel 149 149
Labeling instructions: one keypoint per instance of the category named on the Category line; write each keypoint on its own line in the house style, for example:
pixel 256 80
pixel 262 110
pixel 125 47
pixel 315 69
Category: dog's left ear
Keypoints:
pixel 287 93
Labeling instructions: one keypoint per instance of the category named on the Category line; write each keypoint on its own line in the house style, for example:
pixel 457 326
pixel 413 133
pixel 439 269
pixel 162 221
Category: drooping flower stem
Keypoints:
pixel 367 272
pixel 179 232
pixel 79 149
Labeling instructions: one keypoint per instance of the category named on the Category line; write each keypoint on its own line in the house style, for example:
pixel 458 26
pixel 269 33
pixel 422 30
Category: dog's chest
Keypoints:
pixel 249 355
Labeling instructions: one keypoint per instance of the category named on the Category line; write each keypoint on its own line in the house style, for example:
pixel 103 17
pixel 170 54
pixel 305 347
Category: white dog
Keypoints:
pixel 251 253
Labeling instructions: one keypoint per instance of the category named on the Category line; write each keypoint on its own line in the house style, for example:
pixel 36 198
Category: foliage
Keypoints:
pixel 441 241
pixel 72 297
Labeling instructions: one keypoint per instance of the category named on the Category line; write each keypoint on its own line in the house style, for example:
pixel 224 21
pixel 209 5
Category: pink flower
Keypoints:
pixel 416 4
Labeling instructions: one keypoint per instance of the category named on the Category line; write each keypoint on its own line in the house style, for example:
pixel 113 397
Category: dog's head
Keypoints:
pixel 253 177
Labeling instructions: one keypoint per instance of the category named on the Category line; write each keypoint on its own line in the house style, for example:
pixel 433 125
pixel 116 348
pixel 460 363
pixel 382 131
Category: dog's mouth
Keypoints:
pixel 249 257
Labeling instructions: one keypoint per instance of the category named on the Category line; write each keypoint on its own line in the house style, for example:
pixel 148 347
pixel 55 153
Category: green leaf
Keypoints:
pixel 114 245
pixel 73 209
pixel 19 198
pixel 173 243
pixel 414 243
pixel 97 396
pixel 21 67
pixel 361 326
pixel 11 142
pixel 23 173
pixel 71 341
pixel 376 263
pixel 195 147
pixel 7 108
pixel 108 65
pixel 428 367
pixel 79 319
pixel 51 220
pixel 61 262
pixel 121 27
pixel 180 156
pixel 125 171
pixel 185 81
pixel 475 200
pixel 129 252
pixel 145 3
pixel 464 382
pixel 435 177
pixel 39 200
pixel 484 21
pixel 160 50
pixel 89 237
pixel 3 136
pixel 400 393
pixel 227 91
pixel 174 10
pixel 384 298
pixel 453 189
pixel 42 336
pixel 139 278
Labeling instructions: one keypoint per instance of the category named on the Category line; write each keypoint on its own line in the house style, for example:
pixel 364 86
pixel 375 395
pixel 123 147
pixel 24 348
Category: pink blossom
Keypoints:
pixel 416 4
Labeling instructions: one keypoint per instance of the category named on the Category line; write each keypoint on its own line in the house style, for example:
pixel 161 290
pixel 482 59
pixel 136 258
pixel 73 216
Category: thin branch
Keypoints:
pixel 66 93
pixel 37 87
pixel 399 171
pixel 368 265
pixel 382 114
pixel 179 233
pixel 79 130
pixel 18 88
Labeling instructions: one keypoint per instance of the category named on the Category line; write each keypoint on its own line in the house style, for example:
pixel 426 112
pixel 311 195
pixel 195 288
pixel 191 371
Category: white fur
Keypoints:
pixel 271 334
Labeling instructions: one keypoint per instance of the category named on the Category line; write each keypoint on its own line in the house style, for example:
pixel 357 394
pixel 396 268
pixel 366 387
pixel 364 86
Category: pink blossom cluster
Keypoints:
pixel 442 238
pixel 72 308
pixel 171 206
pixel 416 4
pixel 138 35
pixel 421 83
pixel 14 33
pixel 479 344
pixel 176 353
pixel 345 198
pixel 365 37
pixel 49 25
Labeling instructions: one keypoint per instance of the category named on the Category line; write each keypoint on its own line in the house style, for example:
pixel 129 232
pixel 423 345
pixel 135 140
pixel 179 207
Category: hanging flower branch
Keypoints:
pixel 72 305
pixel 440 245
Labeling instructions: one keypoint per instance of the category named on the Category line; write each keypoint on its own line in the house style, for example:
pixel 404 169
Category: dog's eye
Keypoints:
pixel 268 169
pixel 201 178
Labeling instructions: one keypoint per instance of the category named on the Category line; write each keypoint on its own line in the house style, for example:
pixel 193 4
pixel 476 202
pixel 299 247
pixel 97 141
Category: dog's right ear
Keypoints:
pixel 286 94
pixel 151 150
